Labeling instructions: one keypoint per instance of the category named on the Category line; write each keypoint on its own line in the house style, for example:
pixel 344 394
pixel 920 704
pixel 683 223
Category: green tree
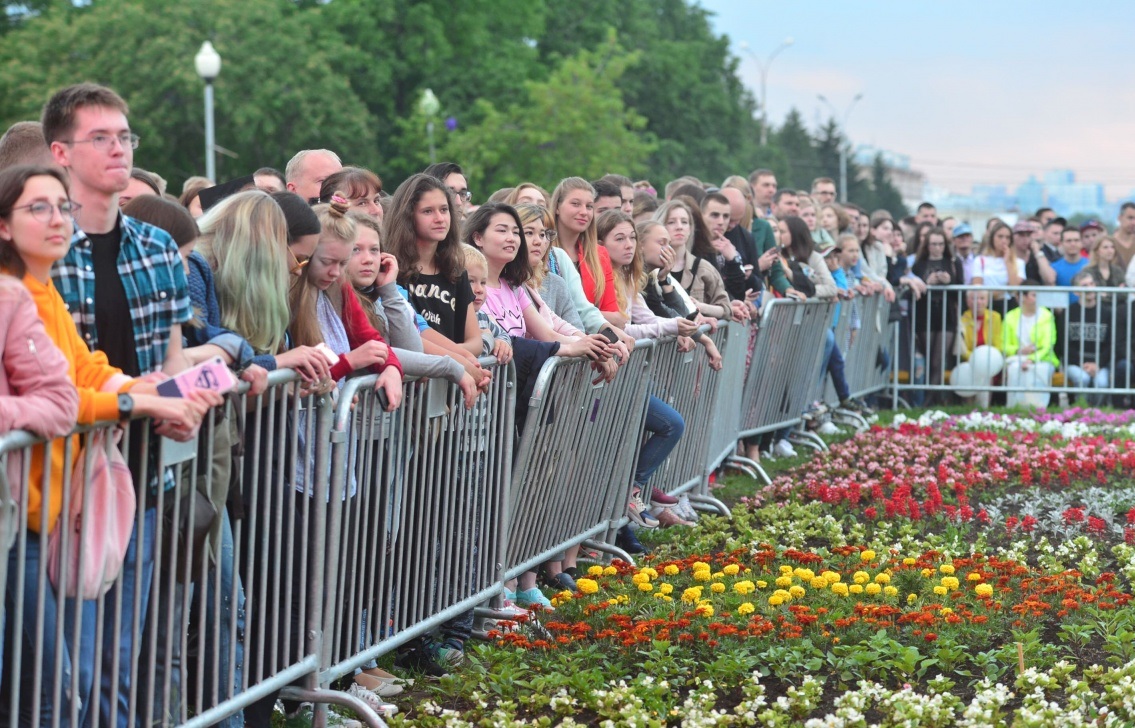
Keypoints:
pixel 275 95
pixel 884 195
pixel 798 147
pixel 574 123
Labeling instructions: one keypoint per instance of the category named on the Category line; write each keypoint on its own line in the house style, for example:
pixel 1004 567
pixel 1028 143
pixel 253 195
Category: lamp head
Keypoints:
pixel 208 62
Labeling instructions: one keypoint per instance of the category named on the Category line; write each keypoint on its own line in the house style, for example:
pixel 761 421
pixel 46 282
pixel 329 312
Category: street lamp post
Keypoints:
pixel 429 106
pixel 843 148
pixel 208 63
pixel 764 66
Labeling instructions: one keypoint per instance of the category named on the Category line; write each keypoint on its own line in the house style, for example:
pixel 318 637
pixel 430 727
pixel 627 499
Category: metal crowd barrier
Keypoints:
pixel 417 527
pixel 685 381
pixel 785 365
pixel 1092 345
pixel 574 473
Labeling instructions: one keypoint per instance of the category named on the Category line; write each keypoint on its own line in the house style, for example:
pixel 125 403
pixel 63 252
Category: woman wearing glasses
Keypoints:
pixel 36 224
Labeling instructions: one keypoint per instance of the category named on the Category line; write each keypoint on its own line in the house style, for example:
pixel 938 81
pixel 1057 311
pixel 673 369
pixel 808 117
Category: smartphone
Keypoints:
pixel 383 400
pixel 692 315
pixel 611 335
pixel 211 374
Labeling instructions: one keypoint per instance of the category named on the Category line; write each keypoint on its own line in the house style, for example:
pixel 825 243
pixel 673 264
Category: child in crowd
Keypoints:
pixel 495 342
pixel 1028 338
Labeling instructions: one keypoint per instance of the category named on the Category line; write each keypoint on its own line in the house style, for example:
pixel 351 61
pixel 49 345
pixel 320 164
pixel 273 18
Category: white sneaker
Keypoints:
pixel 636 511
pixel 828 429
pixel 784 449
pixel 374 702
pixel 685 509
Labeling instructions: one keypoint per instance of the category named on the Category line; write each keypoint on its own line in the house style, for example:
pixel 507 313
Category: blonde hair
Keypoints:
pixel 245 240
pixel 1094 258
pixel 529 214
pixel 589 240
pixel 628 278
pixel 473 257
pixel 515 194
pixel 336 226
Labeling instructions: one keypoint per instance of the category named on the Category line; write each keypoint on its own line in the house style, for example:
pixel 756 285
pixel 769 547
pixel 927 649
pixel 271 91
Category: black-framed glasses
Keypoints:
pixel 465 195
pixel 104 142
pixel 43 211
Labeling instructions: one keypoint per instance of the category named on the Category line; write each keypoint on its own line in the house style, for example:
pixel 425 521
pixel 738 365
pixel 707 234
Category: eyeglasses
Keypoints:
pixel 44 211
pixel 465 195
pixel 104 142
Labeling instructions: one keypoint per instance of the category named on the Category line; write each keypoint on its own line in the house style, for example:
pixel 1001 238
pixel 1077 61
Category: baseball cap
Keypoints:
pixel 1022 226
pixel 1091 225
pixel 825 248
pixel 962 229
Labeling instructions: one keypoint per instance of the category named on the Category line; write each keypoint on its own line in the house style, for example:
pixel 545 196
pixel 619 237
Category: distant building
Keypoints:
pixel 1030 196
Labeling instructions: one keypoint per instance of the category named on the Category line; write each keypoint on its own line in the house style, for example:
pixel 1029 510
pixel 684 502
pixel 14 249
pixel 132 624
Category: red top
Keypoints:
pixel 359 331
pixel 979 325
pixel 608 302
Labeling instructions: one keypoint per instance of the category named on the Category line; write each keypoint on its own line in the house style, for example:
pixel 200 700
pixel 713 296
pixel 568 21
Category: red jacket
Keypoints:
pixel 359 331
pixel 608 302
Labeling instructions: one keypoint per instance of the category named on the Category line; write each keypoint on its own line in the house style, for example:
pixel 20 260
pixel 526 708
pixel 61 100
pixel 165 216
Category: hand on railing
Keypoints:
pixel 257 378
pixel 711 351
pixel 371 353
pixel 795 295
pixel 740 311
pixel 177 417
pixel 685 344
pixel 606 370
pixel 469 390
pixel 390 381
pixel 308 363
pixel 686 327
pixel 594 347
pixel 502 351
pixel 707 321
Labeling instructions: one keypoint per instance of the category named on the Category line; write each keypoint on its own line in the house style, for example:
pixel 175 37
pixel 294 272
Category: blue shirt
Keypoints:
pixel 152 274
pixel 1066 272
pixel 420 322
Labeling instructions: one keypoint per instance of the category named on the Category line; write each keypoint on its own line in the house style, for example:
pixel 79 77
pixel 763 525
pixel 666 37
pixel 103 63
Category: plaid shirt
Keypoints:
pixel 153 276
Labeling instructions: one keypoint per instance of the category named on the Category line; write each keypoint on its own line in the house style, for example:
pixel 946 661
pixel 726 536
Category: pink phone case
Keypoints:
pixel 211 374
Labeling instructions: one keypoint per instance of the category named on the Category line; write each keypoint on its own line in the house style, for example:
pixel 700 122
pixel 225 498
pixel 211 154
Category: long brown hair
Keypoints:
pixel 12 183
pixel 628 278
pixel 363 220
pixel 400 237
pixel 589 239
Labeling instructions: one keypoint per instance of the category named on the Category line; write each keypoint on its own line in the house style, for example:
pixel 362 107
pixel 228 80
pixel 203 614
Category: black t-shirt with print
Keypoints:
pixel 442 303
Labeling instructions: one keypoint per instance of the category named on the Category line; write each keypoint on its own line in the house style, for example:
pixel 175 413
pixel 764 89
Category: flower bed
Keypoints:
pixel 945 571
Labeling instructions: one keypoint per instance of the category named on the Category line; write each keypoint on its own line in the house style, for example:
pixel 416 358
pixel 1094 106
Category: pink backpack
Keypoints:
pixel 100 533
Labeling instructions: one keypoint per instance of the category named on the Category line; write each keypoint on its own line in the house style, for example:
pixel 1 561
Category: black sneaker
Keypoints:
pixel 627 541
pixel 417 656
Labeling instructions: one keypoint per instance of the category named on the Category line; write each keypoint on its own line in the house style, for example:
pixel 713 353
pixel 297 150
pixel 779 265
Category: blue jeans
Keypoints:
pixel 666 427
pixel 1077 377
pixel 222 682
pixel 114 690
pixel 834 365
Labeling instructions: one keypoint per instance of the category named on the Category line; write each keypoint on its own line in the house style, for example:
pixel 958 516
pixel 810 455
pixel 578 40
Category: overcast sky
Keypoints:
pixel 974 91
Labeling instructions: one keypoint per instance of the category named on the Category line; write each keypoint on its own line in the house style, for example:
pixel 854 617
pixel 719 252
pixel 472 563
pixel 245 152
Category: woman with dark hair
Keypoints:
pixel 936 321
pixel 807 270
pixel 360 187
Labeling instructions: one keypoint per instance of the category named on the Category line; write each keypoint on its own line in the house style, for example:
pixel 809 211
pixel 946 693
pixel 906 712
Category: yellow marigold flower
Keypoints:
pixel 668 598
pixel 861 577
pixel 882 578
pixel 782 594
pixel 665 588
pixel 819 583
pixel 731 569
pixel 873 589
pixel 984 590
pixel 587 586
pixel 867 555
pixel 762 584
pixel 950 582
pixel 564 596
pixel 699 565
pixel 744 587
pixel 702 575
pixel 640 579
pixel 927 573
pixel 831 576
pixel 784 581
pixel 646 586
pixel 610 571
pixel 945 611
pixel 973 576
pixel 610 602
pixel 909 561
pixel 786 569
pixel 705 609
pixel 623 598
pixel 775 600
pixel 839 589
pixel 660 595
pixel 745 608
pixel 595 571
pixel 890 591
pixel 718 574
pixel 911 598
pixel 692 594
pixel 747 570
pixel 649 572
pixel 941 591
pixel 946 568
pixel 797 591
pixel 855 589
pixel 717 587
pixel 804 574
pixel 670 570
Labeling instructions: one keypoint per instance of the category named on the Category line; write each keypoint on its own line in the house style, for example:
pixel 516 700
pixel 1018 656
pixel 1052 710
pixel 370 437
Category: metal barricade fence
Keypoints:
pixel 685 381
pixel 573 472
pixel 785 364
pixel 860 346
pixel 1086 345
pixel 418 520
pixel 725 412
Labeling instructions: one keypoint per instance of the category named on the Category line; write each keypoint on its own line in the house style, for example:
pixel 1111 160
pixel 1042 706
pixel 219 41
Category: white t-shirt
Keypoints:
pixel 1025 330
pixel 992 271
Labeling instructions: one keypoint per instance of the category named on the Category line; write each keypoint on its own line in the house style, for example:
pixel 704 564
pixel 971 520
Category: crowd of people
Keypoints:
pixel 112 285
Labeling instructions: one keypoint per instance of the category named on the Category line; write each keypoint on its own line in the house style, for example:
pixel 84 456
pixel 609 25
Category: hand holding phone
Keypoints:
pixel 211 375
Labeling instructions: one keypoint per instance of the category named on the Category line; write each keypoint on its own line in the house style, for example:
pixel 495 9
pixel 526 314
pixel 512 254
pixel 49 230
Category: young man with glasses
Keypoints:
pixel 124 283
